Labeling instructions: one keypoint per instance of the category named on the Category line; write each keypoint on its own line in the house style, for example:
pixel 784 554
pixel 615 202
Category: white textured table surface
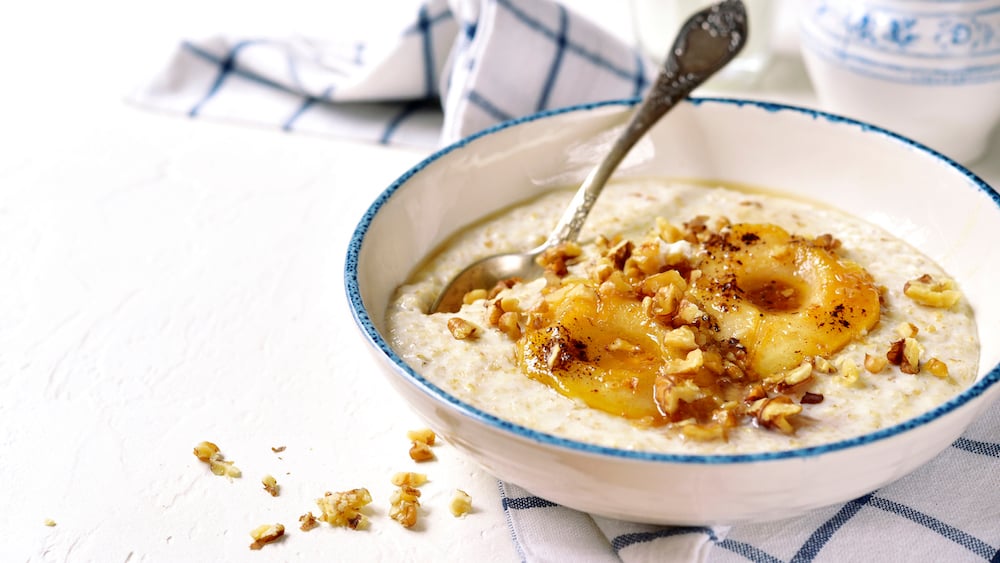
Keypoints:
pixel 166 281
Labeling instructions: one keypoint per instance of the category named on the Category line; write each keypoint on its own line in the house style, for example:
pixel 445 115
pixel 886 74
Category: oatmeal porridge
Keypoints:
pixel 694 319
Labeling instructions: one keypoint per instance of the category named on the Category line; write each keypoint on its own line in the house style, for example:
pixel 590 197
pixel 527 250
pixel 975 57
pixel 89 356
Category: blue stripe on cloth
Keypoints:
pixel 394 123
pixel 640 76
pixel 572 47
pixel 359 50
pixel 424 26
pixel 970 542
pixel 226 65
pixel 476 99
pixel 524 503
pixel 561 40
pixel 619 543
pixel 750 552
pixel 811 548
pixel 510 522
pixel 746 550
pixel 306 104
pixel 982 448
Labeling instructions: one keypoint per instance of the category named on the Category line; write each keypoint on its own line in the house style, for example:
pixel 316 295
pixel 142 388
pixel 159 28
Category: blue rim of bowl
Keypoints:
pixel 364 321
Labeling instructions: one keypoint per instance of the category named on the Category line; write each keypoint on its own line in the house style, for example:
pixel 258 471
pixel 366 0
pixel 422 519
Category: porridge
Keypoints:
pixel 694 319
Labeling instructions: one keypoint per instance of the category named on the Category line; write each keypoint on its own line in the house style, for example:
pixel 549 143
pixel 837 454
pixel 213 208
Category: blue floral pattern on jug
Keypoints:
pixel 914 42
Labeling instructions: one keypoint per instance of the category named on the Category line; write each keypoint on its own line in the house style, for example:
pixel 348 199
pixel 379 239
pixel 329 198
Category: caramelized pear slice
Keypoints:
pixel 784 297
pixel 601 349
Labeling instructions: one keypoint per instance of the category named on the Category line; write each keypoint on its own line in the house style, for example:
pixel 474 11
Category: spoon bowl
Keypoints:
pixel 705 44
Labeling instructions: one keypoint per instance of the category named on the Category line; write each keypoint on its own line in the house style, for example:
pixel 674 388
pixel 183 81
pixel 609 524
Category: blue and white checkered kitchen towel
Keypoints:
pixel 480 61
pixel 483 61
pixel 946 511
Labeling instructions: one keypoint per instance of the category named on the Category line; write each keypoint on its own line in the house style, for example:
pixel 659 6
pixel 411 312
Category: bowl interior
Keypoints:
pixel 908 190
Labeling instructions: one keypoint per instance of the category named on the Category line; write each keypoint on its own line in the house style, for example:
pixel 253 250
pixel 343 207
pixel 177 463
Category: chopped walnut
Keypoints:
pixel 555 259
pixel 265 534
pixel 210 454
pixel 344 508
pixel 49 522
pixel 775 412
pixel 462 329
pixel 850 372
pixel 409 478
pixel 270 485
pixel 704 433
pixel 404 504
pixel 461 503
pixel 509 324
pixel 793 376
pixel 937 368
pixel 931 292
pixel 875 364
pixel 905 353
pixel 824 365
pixel 669 395
pixel 420 452
pixel 425 435
pixel 474 295
pixel 907 330
pixel 278 449
pixel 308 522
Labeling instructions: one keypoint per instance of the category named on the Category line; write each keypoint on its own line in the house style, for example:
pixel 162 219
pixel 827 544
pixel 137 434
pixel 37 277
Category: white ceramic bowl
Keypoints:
pixel 909 190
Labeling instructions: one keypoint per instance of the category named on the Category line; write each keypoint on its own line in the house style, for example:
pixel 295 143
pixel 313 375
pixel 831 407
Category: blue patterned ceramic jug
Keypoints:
pixel 928 69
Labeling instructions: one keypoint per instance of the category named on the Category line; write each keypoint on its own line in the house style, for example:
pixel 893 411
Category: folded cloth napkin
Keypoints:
pixel 463 65
pixel 946 511
pixel 459 66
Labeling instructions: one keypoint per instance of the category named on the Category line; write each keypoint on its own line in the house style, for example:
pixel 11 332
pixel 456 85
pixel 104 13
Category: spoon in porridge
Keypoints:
pixel 707 41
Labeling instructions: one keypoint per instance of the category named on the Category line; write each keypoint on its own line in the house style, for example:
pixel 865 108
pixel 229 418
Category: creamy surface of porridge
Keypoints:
pixel 869 332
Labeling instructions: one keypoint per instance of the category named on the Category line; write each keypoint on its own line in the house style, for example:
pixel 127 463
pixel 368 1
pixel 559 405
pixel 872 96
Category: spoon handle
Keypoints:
pixel 705 43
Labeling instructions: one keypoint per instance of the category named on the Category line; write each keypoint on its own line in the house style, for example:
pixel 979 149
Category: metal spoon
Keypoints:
pixel 706 42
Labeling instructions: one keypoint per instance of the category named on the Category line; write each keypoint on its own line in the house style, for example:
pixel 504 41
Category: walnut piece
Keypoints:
pixel 462 329
pixel 270 485
pixel 425 435
pixel 209 453
pixel 420 452
pixel 409 478
pixel 265 534
pixel 875 364
pixel 308 521
pixel 461 503
pixel 937 368
pixel 403 505
pixel 344 508
pixel 421 441
pixel 931 292
pixel 905 353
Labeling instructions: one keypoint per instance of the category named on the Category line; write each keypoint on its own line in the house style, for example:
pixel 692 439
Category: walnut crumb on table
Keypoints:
pixel 49 522
pixel 308 521
pixel 344 508
pixel 265 534
pixel 461 503
pixel 421 440
pixel 270 485
pixel 209 453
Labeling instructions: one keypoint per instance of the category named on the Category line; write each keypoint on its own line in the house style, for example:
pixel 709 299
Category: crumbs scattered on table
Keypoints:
pixel 308 521
pixel 209 453
pixel 270 485
pixel 265 534
pixel 49 522
pixel 421 441
pixel 461 503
